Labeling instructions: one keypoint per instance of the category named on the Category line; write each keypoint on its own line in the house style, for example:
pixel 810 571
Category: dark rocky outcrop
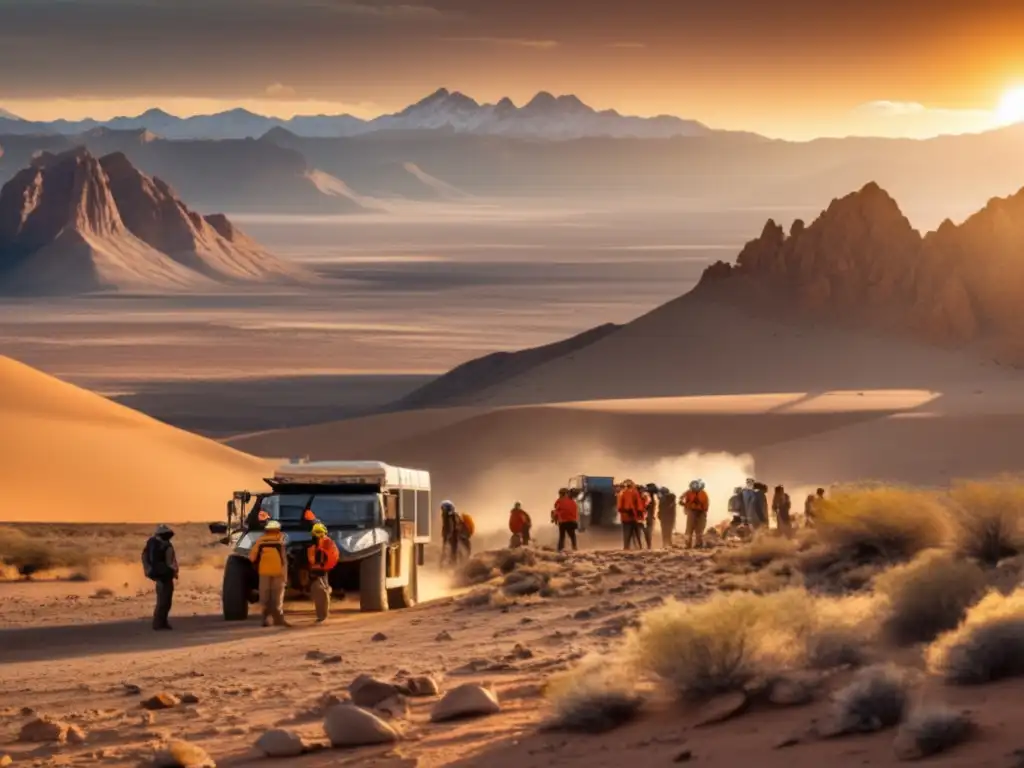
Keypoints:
pixel 862 262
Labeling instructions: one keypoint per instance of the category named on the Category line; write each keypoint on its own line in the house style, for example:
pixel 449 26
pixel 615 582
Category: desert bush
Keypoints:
pixel 988 519
pixel 874 700
pixel 882 522
pixel 928 596
pixel 487 565
pixel 762 550
pixel 30 555
pixel 724 643
pixel 596 696
pixel 930 730
pixel 988 645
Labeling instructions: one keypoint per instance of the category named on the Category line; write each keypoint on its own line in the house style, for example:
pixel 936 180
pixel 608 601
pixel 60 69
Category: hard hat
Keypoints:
pixel 273 525
pixel 663 491
pixel 447 506
pixel 695 485
pixel 319 529
pixel 517 505
pixel 162 530
pixel 700 482
pixel 263 516
pixel 750 482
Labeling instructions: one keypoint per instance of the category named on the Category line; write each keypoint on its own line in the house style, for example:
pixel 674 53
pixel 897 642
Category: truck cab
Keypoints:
pixel 378 515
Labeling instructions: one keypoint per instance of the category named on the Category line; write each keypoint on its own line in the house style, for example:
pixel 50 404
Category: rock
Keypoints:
pixel 722 708
pixel 469 700
pixel 443 636
pixel 615 570
pixel 75 735
pixel 44 729
pixel 424 685
pixel 161 700
pixel 380 637
pixel 147 719
pixel 520 652
pixel 6 760
pixel 395 707
pixel 367 691
pixel 792 691
pixel 280 743
pixel 683 757
pixel 351 726
pixel 181 754
pixel 130 689
pixel 315 655
pixel 331 660
pixel 189 698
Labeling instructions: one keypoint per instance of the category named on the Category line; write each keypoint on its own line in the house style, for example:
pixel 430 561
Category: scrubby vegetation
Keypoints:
pixel 931 730
pixel 593 697
pixel 988 519
pixel 988 645
pixel 874 700
pixel 927 596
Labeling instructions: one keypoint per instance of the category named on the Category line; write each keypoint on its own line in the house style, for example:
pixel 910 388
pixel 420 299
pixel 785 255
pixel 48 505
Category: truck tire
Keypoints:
pixel 406 597
pixel 234 594
pixel 373 595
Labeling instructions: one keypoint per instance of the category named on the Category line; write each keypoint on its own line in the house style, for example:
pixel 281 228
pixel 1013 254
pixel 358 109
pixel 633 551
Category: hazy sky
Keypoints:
pixel 793 68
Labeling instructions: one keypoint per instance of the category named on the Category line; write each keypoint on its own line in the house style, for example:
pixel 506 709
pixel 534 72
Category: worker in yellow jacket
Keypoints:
pixel 270 558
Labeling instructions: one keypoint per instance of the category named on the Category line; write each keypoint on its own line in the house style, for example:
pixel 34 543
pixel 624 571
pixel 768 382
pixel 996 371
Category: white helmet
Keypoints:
pixel 750 482
pixel 700 484
pixel 695 485
pixel 447 506
pixel 273 525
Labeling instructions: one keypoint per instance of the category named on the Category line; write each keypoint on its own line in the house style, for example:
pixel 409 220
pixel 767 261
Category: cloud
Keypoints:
pixel 885 107
pixel 912 119
pixel 280 91
pixel 517 42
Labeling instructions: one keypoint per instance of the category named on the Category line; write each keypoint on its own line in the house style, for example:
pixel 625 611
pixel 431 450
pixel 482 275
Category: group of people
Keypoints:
pixel 640 506
pixel 269 556
pixel 750 509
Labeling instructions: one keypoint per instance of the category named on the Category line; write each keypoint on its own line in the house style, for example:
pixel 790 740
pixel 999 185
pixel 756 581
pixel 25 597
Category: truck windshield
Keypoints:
pixel 337 511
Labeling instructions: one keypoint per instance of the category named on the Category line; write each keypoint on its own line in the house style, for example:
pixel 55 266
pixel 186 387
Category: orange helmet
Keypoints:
pixel 263 516
pixel 308 516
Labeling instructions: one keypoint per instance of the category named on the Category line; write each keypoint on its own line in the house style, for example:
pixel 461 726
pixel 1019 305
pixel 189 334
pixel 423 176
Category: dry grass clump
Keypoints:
pixel 928 596
pixel 988 519
pixel 485 566
pixel 873 701
pixel 988 645
pixel 889 523
pixel 30 554
pixel 930 730
pixel 762 550
pixel 596 696
pixel 732 639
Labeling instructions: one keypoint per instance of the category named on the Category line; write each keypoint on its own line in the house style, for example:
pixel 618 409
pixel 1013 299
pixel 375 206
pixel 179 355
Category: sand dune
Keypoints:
pixel 69 455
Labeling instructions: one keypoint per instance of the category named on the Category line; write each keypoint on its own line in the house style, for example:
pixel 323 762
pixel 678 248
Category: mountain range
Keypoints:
pixel 75 223
pixel 543 117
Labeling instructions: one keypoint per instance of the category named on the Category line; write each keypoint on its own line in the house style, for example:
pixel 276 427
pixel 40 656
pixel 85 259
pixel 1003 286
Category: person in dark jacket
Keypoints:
pixel 160 564
pixel 651 514
pixel 781 505
pixel 667 516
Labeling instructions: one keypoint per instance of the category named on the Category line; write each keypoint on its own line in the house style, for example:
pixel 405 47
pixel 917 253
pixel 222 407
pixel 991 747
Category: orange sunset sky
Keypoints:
pixel 789 68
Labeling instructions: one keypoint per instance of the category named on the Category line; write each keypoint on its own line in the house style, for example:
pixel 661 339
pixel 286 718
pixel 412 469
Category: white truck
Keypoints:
pixel 377 514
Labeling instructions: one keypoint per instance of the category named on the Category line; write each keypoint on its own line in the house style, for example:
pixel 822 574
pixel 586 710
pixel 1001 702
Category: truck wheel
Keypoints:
pixel 373 596
pixel 406 597
pixel 234 595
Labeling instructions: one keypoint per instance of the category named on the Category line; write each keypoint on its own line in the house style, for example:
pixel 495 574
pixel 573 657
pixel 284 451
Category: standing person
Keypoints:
pixel 650 514
pixel 812 506
pixel 450 524
pixel 781 505
pixel 323 555
pixel 736 508
pixel 667 516
pixel 567 515
pixel 519 524
pixel 761 504
pixel 271 560
pixel 748 495
pixel 696 504
pixel 629 505
pixel 160 564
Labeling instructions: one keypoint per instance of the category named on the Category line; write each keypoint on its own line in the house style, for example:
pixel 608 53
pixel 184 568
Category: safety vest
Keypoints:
pixel 695 501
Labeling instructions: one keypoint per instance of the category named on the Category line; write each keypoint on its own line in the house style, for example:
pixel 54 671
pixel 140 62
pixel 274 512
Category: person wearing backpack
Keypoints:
pixel 160 564
pixel 270 558
pixel 323 556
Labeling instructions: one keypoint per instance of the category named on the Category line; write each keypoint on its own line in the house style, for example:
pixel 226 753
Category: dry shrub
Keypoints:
pixel 724 643
pixel 927 596
pixel 883 522
pixel 875 699
pixel 762 550
pixel 30 555
pixel 931 730
pixel 596 696
pixel 988 645
pixel 988 519
pixel 488 565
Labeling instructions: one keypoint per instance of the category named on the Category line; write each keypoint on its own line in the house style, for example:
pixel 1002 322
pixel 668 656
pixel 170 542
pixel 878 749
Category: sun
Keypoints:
pixel 1011 106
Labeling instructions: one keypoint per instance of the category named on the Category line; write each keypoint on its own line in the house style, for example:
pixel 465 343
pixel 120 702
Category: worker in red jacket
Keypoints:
pixel 567 514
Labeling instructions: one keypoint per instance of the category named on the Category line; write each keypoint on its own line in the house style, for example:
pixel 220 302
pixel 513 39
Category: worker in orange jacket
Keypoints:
pixel 695 504
pixel 631 509
pixel 567 514
pixel 519 524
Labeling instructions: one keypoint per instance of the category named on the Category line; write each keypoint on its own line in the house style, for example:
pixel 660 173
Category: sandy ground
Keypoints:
pixel 245 679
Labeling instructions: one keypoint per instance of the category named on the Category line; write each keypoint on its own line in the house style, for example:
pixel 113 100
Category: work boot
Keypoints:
pixel 266 621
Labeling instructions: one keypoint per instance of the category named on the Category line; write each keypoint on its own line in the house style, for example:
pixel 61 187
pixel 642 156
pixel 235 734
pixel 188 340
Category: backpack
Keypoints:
pixel 468 525
pixel 154 563
pixel 332 555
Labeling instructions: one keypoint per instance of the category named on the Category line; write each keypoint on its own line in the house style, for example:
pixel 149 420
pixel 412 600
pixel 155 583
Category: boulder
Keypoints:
pixel 367 691
pixel 161 700
pixel 181 754
pixel 280 743
pixel 351 726
pixel 423 685
pixel 469 700
pixel 44 729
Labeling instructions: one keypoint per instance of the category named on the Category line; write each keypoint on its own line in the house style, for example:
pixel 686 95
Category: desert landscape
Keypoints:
pixel 212 279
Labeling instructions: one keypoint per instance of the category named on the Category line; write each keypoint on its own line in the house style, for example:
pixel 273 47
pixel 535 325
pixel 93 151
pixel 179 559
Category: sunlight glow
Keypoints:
pixel 1011 106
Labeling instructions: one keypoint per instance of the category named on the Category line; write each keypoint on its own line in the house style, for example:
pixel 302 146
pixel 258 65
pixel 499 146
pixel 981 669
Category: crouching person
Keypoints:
pixel 323 556
pixel 271 560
